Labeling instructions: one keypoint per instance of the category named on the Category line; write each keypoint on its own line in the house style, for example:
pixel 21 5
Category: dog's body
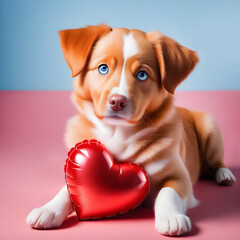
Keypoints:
pixel 125 80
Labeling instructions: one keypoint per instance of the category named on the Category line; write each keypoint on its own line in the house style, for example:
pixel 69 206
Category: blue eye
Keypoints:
pixel 103 69
pixel 142 75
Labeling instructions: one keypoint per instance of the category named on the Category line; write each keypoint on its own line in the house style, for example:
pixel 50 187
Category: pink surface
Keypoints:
pixel 32 156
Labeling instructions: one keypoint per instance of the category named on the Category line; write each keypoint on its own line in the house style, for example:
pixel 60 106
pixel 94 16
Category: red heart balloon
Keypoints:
pixel 98 187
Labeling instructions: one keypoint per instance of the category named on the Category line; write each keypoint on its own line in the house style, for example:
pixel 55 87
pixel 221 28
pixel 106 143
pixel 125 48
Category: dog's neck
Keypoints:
pixel 120 140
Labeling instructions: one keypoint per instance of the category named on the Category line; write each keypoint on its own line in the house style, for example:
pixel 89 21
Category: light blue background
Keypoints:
pixel 31 58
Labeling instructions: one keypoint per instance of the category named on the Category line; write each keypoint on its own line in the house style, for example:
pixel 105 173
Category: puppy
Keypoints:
pixel 123 90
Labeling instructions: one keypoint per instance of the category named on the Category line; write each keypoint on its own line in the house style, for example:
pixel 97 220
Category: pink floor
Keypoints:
pixel 32 156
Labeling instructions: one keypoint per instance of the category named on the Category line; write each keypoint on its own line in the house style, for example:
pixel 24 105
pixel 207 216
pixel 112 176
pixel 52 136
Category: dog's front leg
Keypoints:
pixel 170 208
pixel 52 214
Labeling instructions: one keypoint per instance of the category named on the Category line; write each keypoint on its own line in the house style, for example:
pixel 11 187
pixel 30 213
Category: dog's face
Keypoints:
pixel 123 76
pixel 127 74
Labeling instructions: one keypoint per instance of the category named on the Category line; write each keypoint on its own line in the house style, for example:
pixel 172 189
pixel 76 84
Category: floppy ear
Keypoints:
pixel 77 43
pixel 175 60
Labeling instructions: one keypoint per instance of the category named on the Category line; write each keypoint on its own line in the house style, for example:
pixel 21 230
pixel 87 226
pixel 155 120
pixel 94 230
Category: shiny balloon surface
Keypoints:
pixel 100 187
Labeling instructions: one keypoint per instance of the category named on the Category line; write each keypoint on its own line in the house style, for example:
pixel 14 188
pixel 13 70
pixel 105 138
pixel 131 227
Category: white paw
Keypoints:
pixel 170 210
pixel 44 218
pixel 52 214
pixel 224 177
pixel 173 225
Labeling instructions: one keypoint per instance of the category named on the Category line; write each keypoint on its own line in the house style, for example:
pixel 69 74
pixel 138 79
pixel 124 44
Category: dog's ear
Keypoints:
pixel 175 60
pixel 77 44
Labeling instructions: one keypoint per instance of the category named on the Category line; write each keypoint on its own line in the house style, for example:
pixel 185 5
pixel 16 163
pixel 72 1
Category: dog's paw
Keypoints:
pixel 173 225
pixel 224 177
pixel 45 218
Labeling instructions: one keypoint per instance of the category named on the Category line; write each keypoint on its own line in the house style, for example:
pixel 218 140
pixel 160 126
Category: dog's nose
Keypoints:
pixel 117 102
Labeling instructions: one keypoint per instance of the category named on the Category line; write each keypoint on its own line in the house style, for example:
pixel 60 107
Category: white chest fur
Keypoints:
pixel 115 138
pixel 119 140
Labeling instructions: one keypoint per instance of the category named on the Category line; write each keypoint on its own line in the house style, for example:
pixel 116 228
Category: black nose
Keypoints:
pixel 117 102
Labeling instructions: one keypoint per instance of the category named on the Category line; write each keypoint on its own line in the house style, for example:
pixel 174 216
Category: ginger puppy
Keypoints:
pixel 123 90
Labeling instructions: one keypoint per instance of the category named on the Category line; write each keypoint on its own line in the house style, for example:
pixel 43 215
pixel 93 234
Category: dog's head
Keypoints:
pixel 126 74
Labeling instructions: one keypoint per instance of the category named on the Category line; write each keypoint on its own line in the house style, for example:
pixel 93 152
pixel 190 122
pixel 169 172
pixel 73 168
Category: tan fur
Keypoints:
pixel 190 140
pixel 77 43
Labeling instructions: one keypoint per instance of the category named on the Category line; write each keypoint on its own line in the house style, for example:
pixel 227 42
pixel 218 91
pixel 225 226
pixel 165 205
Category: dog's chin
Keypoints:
pixel 118 121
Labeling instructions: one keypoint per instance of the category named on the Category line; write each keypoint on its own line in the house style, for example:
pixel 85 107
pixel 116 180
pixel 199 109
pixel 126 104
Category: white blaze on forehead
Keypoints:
pixel 130 48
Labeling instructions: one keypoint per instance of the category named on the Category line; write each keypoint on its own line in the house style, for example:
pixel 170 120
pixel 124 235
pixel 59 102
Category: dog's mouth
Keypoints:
pixel 116 120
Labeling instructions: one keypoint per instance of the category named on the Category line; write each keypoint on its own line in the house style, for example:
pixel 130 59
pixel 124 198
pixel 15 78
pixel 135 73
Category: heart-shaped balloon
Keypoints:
pixel 98 186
